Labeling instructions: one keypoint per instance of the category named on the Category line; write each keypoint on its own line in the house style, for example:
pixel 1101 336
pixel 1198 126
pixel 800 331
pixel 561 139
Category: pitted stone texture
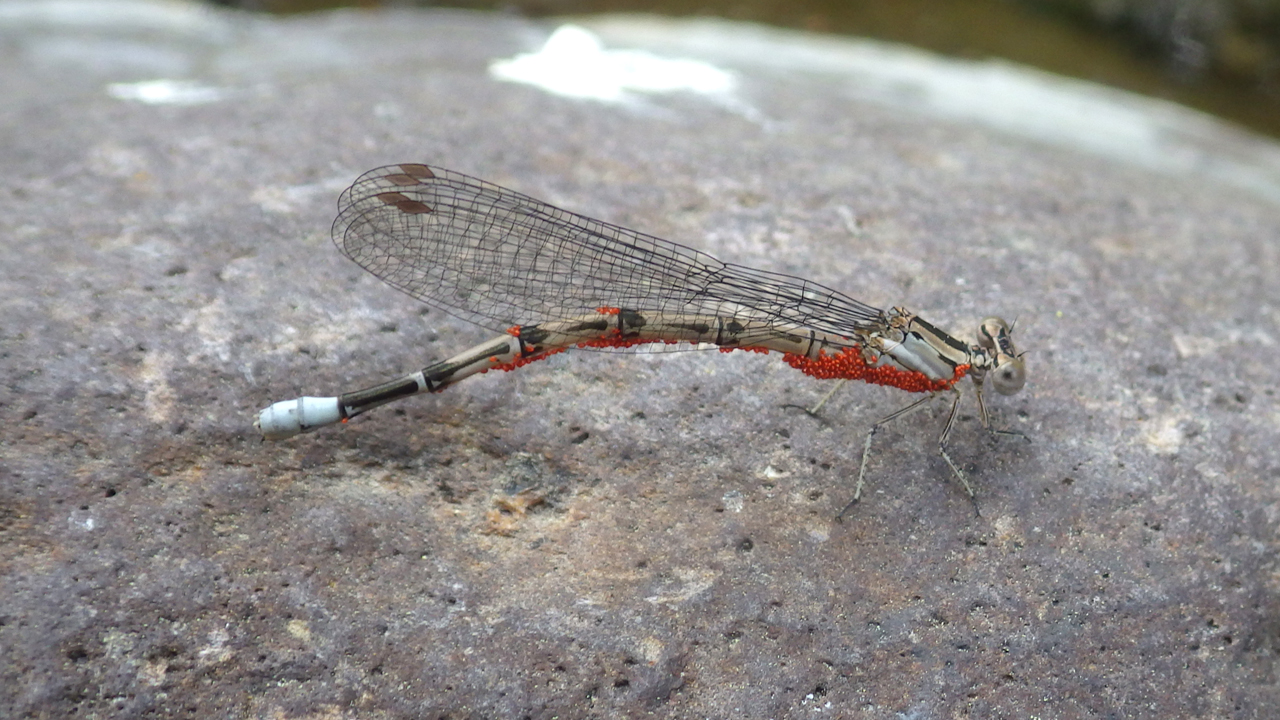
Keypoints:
pixel 606 535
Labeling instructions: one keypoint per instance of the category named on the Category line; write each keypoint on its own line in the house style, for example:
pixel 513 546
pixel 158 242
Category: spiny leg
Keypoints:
pixel 986 420
pixel 942 450
pixel 813 411
pixel 835 388
pixel 866 446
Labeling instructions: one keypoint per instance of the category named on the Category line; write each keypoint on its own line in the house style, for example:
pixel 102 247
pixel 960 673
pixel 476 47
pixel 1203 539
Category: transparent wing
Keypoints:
pixel 498 258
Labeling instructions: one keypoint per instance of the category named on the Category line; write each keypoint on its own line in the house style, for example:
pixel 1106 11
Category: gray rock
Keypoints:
pixel 604 535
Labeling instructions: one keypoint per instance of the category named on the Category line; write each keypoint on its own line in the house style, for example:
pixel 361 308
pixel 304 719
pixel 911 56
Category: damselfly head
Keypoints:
pixel 1009 372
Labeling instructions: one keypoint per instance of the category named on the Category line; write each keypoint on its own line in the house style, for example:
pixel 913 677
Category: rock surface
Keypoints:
pixel 615 535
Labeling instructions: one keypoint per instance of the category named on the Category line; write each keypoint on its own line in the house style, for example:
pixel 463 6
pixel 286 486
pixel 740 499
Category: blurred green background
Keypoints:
pixel 1219 56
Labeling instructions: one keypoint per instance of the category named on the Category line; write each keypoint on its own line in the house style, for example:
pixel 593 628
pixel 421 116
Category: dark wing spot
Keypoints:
pixel 402 179
pixel 419 172
pixel 403 204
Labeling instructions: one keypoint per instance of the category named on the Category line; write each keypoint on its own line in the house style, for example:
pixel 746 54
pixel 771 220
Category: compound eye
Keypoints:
pixel 1009 374
pixel 993 334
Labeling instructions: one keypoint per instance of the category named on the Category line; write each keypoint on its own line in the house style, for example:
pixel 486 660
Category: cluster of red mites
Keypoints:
pixel 612 340
pixel 521 361
pixel 849 364
pixel 616 341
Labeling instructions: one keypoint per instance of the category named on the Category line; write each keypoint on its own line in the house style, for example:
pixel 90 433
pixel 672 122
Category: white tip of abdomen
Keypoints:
pixel 292 417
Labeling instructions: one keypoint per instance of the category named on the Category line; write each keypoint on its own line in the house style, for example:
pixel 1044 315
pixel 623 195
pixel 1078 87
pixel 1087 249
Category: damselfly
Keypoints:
pixel 559 280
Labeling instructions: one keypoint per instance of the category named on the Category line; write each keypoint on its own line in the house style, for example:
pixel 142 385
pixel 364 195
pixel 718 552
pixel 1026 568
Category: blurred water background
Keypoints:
pixel 1218 56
